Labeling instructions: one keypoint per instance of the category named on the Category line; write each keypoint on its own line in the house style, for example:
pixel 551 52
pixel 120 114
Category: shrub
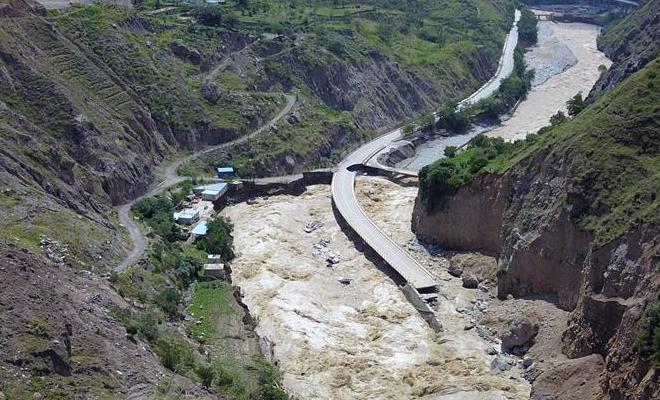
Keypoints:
pixel 187 270
pixel 575 104
pixel 648 339
pixel 477 163
pixel 147 325
pixel 336 47
pixel 209 16
pixel 169 354
pixel 223 378
pixel 450 118
pixel 206 374
pixel 558 118
pixel 450 151
pixel 132 330
pixel 157 212
pixel 269 376
pixel 430 35
pixel 409 129
pixel 527 28
pixel 168 300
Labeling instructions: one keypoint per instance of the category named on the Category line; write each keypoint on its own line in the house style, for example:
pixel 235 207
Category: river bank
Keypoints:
pixel 567 61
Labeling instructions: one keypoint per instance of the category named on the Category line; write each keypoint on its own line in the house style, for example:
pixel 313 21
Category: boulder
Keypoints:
pixel 470 281
pixel 520 333
pixel 500 363
pixel 455 269
pixel 479 265
pixel 211 92
pixel 185 53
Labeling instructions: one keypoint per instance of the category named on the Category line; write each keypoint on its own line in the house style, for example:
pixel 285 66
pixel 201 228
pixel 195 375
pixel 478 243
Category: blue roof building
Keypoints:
pixel 199 229
pixel 225 172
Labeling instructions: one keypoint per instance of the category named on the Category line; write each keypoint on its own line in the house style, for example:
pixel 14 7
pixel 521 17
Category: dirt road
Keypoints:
pixel 169 178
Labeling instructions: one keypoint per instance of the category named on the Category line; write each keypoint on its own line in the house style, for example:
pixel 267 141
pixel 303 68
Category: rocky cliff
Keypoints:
pixel 575 218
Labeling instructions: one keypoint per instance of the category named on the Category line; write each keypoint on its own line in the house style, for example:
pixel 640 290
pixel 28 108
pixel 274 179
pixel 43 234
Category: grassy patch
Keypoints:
pixel 212 301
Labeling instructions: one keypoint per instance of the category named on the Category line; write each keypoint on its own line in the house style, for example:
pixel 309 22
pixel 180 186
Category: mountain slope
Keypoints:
pixel 572 215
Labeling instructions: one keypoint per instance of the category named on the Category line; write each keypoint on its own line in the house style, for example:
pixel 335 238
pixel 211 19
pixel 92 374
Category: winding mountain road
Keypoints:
pixel 169 178
pixel 343 183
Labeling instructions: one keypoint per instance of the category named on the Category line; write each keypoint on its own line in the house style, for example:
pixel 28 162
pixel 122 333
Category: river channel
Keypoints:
pixel 566 61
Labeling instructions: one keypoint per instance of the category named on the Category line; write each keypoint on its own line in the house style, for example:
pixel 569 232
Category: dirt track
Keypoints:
pixel 169 178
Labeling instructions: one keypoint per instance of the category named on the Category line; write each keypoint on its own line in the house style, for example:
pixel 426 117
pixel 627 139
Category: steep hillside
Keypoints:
pixel 95 99
pixel 571 214
pixel 92 98
pixel 630 43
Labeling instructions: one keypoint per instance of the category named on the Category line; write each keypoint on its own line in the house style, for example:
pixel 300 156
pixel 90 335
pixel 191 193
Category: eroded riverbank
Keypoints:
pixel 362 340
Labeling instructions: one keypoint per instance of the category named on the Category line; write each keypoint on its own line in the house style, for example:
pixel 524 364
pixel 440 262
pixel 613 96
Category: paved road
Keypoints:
pixel 343 195
pixel 504 68
pixel 170 178
pixel 343 183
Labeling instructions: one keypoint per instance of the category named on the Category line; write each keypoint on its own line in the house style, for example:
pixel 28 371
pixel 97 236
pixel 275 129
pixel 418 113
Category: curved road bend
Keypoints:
pixel 343 195
pixel 170 178
pixel 343 182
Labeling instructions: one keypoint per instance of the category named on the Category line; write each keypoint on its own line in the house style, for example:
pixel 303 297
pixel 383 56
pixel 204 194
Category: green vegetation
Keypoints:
pixel 575 104
pixel 443 177
pixel 218 239
pixel 527 30
pixel 450 151
pixel 648 339
pixel 168 300
pixel 612 148
pixel 453 120
pixel 158 212
pixel 232 366
pixel 513 89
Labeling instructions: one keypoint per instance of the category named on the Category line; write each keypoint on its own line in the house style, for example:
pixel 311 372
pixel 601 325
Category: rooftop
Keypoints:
pixel 217 187
pixel 199 229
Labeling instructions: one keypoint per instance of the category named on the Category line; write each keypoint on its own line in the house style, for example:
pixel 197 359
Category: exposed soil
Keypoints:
pixel 37 299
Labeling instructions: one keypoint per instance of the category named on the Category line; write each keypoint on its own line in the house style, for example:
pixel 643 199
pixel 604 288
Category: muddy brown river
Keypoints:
pixel 361 340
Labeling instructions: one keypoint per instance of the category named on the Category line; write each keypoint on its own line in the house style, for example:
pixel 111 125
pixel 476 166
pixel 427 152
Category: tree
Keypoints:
pixel 450 151
pixel 408 129
pixel 558 118
pixel 219 239
pixel 477 163
pixel 210 16
pixel 575 104
pixel 428 123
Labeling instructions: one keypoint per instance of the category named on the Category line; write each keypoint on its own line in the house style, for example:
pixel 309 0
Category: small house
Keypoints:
pixel 211 192
pixel 187 217
pixel 225 172
pixel 214 258
pixel 199 229
pixel 214 271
